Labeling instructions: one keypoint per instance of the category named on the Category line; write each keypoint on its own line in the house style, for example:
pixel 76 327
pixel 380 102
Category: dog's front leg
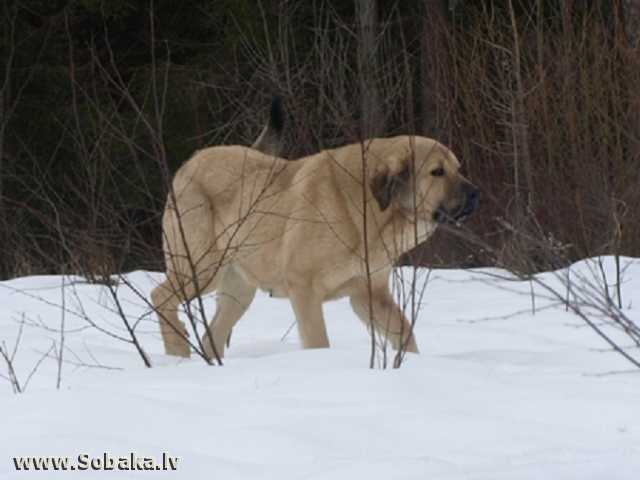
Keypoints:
pixel 308 310
pixel 388 317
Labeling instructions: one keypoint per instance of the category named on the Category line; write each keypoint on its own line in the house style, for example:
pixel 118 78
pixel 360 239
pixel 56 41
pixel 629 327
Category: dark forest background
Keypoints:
pixel 101 101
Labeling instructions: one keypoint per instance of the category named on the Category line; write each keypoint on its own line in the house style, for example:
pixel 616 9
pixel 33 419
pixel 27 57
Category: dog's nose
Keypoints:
pixel 473 193
pixel 439 215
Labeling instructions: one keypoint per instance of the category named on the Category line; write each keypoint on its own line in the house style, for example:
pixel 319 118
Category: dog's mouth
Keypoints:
pixel 441 215
pixel 460 214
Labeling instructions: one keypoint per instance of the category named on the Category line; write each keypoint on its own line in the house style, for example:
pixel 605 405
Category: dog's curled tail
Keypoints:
pixel 270 139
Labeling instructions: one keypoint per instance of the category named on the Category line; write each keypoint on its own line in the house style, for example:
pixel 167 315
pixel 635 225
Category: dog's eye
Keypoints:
pixel 438 172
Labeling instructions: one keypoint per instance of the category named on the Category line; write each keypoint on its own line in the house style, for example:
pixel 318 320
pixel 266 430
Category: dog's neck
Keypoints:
pixel 400 232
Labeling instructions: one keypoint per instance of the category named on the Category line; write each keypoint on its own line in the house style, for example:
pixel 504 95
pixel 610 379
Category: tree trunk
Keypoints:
pixel 431 53
pixel 372 119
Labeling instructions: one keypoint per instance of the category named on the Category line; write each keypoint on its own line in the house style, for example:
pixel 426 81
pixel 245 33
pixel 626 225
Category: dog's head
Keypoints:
pixel 421 176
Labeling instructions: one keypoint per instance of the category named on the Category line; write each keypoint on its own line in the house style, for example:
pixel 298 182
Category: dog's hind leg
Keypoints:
pixel 233 297
pixel 168 296
pixel 389 320
pixel 166 299
pixel 193 262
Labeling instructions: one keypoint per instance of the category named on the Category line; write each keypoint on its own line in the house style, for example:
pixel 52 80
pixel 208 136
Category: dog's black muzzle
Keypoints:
pixel 470 194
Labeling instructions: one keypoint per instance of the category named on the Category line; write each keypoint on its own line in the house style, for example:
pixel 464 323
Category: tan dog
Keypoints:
pixel 244 220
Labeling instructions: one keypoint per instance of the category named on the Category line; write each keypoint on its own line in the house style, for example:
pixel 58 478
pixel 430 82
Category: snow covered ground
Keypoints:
pixel 491 396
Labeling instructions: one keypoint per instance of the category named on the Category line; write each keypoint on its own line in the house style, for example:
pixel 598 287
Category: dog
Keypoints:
pixel 322 227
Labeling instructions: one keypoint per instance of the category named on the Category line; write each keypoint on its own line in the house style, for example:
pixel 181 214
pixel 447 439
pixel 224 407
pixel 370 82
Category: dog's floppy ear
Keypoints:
pixel 386 185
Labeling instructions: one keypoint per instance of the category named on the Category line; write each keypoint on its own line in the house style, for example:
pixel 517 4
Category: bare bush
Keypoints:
pixel 18 384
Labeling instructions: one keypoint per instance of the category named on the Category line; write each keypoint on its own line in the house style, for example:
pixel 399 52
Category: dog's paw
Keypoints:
pixel 178 348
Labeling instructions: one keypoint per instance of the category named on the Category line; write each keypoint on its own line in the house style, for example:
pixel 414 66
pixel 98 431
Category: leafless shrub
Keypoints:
pixel 540 104
pixel 17 384
pixel 585 294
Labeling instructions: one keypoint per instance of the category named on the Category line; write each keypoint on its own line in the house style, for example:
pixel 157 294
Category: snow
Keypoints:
pixel 497 392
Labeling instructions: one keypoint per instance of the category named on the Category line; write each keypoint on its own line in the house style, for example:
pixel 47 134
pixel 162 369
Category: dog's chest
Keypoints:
pixel 413 234
pixel 425 229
